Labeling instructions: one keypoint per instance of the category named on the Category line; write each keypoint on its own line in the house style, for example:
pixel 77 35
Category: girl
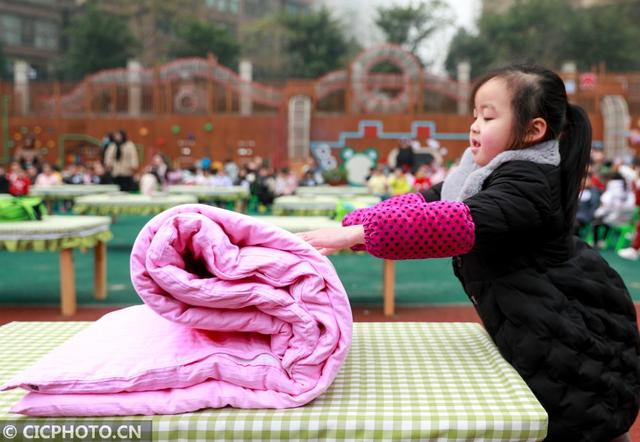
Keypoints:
pixel 555 309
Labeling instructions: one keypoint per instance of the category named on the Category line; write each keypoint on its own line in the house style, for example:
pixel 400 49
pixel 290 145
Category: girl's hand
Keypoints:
pixel 332 239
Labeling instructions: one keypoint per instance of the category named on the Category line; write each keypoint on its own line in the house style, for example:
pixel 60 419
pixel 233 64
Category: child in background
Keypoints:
pixel 422 181
pixel 19 181
pixel 554 308
pixel 588 202
pixel 633 251
pixel 397 183
pixel 616 208
pixel 285 183
pixel 377 182
pixel 48 176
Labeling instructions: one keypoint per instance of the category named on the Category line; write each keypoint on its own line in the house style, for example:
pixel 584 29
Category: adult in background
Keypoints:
pixel 406 157
pixel 4 181
pixel 106 141
pixel 27 154
pixel 121 158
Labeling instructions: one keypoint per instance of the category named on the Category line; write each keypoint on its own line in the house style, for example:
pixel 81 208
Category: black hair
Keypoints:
pixel 537 92
pixel 123 139
pixel 618 177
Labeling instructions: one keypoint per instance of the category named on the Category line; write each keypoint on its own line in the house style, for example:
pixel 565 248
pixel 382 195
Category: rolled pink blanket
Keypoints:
pixel 237 312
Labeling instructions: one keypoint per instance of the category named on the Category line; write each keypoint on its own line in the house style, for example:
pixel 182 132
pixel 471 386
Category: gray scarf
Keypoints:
pixel 466 179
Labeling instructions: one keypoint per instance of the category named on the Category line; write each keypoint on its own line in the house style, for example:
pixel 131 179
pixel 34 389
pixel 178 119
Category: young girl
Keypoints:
pixel 555 309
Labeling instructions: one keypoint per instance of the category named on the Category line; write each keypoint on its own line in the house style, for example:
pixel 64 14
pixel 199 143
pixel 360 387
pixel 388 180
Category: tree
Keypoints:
pixel 4 66
pixel 194 38
pixel 472 48
pixel 264 42
pixel 409 26
pixel 150 22
pixel 97 40
pixel 315 44
pixel 609 35
pixel 550 32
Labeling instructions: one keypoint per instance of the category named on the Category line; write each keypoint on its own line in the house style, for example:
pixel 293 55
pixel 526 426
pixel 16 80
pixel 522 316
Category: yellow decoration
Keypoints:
pixel 17 136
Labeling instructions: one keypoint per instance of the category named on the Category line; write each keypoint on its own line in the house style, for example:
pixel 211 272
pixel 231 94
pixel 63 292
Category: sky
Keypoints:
pixel 360 16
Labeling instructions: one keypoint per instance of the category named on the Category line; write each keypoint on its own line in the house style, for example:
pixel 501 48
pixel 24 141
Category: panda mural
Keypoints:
pixel 358 164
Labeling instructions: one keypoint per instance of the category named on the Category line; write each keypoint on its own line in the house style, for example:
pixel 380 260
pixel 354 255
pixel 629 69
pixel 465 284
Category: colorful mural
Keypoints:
pixel 421 130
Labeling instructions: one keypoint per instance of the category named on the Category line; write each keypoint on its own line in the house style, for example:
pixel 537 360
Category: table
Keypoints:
pixel 339 191
pixel 318 205
pixel 401 381
pixel 70 191
pixel 128 204
pixel 303 223
pixel 63 234
pixel 237 194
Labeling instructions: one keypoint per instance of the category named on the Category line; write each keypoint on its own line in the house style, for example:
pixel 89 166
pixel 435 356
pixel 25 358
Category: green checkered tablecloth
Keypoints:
pixel 71 191
pixel 320 205
pixel 401 381
pixel 339 191
pixel 211 193
pixel 128 204
pixel 54 233
pixel 299 223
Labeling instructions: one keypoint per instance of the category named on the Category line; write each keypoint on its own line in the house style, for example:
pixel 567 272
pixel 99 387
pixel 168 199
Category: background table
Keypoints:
pixel 303 223
pixel 318 205
pixel 70 191
pixel 237 194
pixel 63 234
pixel 339 191
pixel 401 381
pixel 128 204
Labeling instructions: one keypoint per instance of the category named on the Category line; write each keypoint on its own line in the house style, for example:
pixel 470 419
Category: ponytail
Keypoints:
pixel 575 150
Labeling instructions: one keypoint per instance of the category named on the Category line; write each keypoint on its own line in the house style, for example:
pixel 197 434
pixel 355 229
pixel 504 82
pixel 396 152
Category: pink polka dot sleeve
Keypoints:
pixel 357 216
pixel 407 227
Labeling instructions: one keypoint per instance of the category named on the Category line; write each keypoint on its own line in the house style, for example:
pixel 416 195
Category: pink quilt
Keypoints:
pixel 237 312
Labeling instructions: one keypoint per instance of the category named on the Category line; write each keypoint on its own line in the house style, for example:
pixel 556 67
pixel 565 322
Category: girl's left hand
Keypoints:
pixel 332 239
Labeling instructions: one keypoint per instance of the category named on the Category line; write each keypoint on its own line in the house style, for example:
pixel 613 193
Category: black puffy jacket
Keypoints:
pixel 554 307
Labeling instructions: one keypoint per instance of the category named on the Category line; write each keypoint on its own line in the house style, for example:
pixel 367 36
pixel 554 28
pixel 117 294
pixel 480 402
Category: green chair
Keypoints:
pixel 252 205
pixel 620 236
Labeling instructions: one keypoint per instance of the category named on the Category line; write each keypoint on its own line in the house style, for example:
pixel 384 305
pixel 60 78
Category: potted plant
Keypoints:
pixel 335 177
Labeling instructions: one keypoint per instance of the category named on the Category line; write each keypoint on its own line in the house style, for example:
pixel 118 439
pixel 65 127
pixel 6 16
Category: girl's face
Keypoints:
pixel 490 132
